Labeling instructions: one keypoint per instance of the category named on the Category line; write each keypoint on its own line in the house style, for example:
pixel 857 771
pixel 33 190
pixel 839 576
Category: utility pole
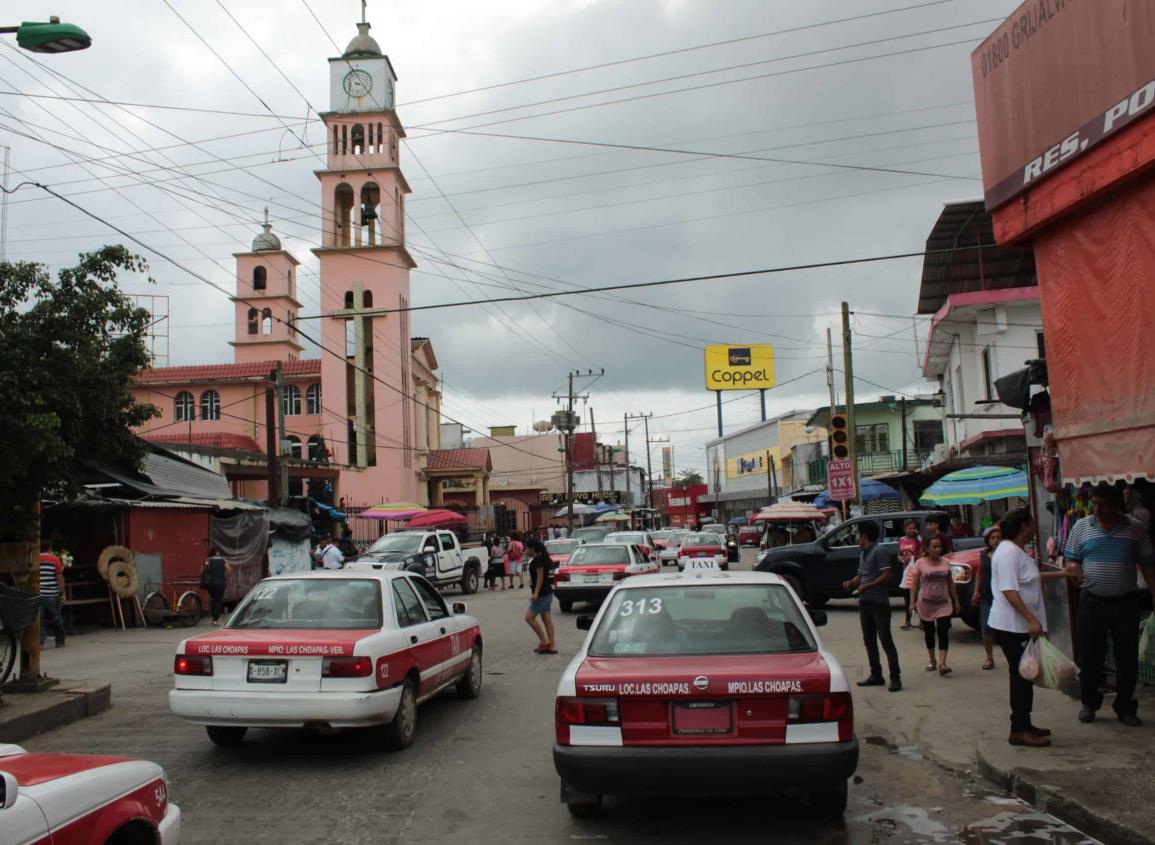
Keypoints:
pixel 848 372
pixel 566 422
pixel 597 453
pixel 645 417
pixel 282 437
pixel 271 450
pixel 830 369
pixel 902 416
pixel 626 425
pixel 649 471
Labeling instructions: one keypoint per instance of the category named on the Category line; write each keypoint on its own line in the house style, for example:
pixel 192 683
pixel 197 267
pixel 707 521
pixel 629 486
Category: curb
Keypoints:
pixel 68 706
pixel 1069 810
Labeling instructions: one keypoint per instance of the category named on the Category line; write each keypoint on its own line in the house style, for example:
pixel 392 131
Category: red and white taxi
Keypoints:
pixel 704 683
pixel 78 798
pixel 642 539
pixel 560 550
pixel 703 551
pixel 594 568
pixel 342 649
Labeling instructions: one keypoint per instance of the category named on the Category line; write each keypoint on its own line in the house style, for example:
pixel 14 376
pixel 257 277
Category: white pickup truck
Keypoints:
pixel 437 555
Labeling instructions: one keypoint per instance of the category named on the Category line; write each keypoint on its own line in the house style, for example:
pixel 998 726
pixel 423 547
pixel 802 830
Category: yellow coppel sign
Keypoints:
pixel 749 367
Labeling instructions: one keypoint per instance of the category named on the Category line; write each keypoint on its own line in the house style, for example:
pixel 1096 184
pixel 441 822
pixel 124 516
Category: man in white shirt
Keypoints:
pixel 329 555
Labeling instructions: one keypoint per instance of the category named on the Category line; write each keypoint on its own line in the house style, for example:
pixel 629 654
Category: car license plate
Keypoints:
pixel 591 579
pixel 702 718
pixel 701 563
pixel 268 671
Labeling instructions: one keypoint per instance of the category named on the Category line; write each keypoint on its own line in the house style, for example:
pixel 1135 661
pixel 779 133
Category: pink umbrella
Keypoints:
pixel 392 511
pixel 436 518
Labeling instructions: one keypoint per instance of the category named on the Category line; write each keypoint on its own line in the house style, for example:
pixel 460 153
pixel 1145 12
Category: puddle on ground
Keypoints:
pixel 894 820
pixel 1023 828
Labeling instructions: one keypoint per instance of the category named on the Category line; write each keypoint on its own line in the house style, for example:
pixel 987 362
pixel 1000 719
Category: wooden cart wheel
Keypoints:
pixel 155 609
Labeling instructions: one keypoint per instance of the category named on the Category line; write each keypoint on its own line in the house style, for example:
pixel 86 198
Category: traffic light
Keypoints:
pixel 839 437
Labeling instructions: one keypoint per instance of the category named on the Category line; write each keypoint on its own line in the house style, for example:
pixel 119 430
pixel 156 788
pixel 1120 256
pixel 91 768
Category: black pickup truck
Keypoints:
pixel 817 570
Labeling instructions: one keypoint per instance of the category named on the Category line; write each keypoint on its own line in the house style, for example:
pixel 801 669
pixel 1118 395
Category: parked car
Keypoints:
pixel 593 570
pixel 704 684
pixel 48 798
pixel 560 550
pixel 669 554
pixel 641 539
pixel 332 650
pixel 816 570
pixel 714 528
pixel 435 555
pixel 591 533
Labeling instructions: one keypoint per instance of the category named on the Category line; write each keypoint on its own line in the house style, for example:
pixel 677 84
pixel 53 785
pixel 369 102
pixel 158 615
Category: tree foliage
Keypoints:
pixel 688 478
pixel 69 349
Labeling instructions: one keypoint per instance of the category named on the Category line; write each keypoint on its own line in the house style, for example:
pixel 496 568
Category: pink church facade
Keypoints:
pixel 361 420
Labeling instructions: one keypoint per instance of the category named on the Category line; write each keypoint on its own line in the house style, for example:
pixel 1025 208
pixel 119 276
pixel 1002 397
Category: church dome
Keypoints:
pixel 363 44
pixel 266 241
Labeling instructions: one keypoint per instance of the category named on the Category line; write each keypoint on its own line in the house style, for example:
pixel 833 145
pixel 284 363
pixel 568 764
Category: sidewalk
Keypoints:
pixel 1097 777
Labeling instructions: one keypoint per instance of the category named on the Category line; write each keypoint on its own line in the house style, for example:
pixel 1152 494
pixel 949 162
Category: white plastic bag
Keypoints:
pixel 1031 662
pixel 1147 642
pixel 1056 670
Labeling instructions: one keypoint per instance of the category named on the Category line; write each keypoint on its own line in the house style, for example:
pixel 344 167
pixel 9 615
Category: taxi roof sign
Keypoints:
pixel 740 367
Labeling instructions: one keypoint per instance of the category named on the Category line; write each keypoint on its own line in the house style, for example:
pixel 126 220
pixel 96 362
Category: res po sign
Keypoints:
pixel 840 480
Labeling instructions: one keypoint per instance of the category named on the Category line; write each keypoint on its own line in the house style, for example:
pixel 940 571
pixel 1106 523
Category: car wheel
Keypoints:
pixel 795 584
pixel 399 733
pixel 470 684
pixel 830 803
pixel 565 605
pixel 227 736
pixel 469 581
pixel 585 809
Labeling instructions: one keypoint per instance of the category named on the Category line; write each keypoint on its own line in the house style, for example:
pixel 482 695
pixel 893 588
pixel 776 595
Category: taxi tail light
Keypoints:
pixel 825 707
pixel 346 667
pixel 584 711
pixel 193 664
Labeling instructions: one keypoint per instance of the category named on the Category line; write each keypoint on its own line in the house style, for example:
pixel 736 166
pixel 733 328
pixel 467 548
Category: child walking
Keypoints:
pixel 909 551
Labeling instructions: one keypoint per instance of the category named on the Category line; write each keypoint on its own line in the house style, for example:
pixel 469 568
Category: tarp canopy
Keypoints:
pixel 973 485
pixel 868 488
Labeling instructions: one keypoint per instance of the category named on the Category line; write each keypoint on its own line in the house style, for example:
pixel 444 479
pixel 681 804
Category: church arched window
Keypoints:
pixel 210 405
pixel 357 139
pixel 343 200
pixel 336 140
pixel 183 406
pixel 254 320
pixel 370 210
pixel 313 400
pixel 291 400
pixel 367 299
pixel 267 321
pixel 344 140
pixel 260 278
pixel 316 448
pixel 348 300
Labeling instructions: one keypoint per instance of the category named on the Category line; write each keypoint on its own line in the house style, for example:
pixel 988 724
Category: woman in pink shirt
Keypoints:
pixel 935 602
pixel 909 550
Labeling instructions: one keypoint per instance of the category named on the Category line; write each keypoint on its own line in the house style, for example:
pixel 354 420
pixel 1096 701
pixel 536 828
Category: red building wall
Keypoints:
pixel 180 537
pixel 686 511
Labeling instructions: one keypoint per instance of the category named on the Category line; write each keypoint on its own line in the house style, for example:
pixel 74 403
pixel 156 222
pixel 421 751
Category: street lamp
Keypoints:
pixel 50 37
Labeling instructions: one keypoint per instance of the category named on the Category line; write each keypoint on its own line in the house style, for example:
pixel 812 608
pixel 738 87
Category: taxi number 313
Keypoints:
pixel 641 606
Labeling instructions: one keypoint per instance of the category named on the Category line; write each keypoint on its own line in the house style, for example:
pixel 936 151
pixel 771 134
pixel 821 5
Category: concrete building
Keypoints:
pixel 362 420
pixel 747 469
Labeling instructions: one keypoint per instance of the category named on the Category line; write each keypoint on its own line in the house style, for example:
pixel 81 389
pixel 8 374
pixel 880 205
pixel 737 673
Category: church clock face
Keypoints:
pixel 358 83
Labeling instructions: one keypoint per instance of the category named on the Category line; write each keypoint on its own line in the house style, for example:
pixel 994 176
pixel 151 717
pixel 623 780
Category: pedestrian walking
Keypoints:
pixel 1018 615
pixel 935 602
pixel 51 594
pixel 495 568
pixel 1110 549
pixel 934 528
pixel 541 599
pixel 982 597
pixel 870 587
pixel 514 555
pixel 216 570
pixel 328 554
pixel 909 551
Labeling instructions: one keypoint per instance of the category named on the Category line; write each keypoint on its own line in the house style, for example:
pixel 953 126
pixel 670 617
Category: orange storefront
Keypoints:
pixel 1065 101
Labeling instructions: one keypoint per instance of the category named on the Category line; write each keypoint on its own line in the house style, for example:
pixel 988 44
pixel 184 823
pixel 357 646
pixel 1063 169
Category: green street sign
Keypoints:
pixel 52 37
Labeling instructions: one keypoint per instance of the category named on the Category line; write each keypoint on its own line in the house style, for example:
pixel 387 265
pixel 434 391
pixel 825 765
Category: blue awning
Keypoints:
pixel 328 510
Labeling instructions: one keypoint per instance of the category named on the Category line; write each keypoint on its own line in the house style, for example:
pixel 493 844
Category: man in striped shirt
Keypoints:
pixel 51 594
pixel 1111 548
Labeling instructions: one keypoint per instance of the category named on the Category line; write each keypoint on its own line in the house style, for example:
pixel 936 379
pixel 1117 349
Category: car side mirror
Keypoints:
pixel 584 623
pixel 8 790
pixel 818 617
pixel 458 608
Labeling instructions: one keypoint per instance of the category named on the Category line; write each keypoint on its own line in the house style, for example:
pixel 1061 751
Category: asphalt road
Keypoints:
pixel 481 771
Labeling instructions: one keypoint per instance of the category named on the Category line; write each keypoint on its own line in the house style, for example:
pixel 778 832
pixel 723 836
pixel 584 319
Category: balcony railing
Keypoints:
pixel 872 463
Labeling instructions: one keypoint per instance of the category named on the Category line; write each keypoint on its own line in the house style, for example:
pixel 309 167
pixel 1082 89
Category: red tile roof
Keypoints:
pixel 213 439
pixel 467 459
pixel 227 372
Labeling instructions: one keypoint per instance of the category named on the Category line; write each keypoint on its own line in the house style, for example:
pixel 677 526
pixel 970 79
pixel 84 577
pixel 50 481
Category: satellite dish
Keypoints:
pixel 542 426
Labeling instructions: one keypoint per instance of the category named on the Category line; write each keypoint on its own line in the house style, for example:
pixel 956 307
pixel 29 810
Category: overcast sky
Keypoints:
pixel 541 214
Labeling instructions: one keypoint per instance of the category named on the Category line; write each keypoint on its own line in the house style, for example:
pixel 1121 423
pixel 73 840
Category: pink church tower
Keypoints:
pixel 370 417
pixel 267 306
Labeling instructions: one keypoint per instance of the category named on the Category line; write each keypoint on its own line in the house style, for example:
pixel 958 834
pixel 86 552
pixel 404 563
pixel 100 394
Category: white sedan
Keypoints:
pixel 343 649
pixel 47 798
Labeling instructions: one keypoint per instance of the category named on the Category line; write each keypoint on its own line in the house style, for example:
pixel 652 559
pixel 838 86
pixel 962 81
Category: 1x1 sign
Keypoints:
pixel 840 480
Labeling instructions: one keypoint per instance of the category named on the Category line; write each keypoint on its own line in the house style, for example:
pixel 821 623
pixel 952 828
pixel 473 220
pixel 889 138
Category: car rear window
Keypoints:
pixel 702 540
pixel 327 604
pixel 702 620
pixel 592 555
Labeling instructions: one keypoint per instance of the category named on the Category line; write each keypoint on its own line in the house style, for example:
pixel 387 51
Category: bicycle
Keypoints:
pixel 189 608
pixel 18 610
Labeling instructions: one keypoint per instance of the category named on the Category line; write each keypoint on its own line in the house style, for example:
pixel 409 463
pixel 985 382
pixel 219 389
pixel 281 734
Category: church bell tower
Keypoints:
pixel 364 267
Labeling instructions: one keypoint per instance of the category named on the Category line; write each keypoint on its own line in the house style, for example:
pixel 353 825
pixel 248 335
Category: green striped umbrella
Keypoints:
pixel 976 484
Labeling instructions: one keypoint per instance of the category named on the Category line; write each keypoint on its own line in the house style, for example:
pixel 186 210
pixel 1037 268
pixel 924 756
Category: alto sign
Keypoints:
pixel 749 367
